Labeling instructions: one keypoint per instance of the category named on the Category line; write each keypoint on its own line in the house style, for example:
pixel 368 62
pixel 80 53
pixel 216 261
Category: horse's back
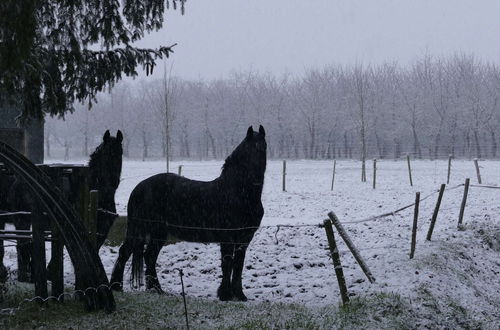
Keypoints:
pixel 161 192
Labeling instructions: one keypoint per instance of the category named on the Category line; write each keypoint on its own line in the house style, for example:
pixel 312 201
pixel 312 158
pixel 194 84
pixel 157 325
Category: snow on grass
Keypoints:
pixel 453 278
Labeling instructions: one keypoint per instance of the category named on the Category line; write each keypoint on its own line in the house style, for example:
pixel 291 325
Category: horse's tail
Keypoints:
pixel 137 263
pixel 138 241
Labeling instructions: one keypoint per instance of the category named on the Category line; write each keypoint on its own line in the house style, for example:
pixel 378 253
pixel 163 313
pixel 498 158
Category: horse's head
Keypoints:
pixel 249 158
pixel 106 162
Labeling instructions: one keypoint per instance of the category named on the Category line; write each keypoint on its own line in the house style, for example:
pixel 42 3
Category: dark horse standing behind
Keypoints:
pixel 227 210
pixel 105 167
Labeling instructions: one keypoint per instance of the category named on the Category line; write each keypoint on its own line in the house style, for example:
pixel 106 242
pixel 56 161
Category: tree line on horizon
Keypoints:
pixel 433 108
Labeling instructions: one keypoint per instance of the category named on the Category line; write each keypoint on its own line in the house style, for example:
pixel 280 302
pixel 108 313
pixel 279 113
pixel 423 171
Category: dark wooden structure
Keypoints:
pixel 27 139
pixel 72 180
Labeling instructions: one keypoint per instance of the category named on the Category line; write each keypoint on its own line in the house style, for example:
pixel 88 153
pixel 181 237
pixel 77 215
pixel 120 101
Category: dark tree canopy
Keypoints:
pixel 53 53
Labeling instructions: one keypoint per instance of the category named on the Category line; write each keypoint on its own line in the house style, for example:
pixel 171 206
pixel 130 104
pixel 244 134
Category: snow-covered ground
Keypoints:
pixel 456 270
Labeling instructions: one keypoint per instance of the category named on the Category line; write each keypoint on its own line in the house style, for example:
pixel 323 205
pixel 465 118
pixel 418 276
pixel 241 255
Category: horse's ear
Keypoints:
pixel 250 132
pixel 262 132
pixel 106 136
pixel 119 136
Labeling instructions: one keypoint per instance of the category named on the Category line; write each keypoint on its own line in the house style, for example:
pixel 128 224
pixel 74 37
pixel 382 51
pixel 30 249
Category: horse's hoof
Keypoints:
pixel 156 289
pixel 225 294
pixel 240 296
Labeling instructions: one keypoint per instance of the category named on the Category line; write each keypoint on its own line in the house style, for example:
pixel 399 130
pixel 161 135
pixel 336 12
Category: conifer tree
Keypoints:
pixel 53 53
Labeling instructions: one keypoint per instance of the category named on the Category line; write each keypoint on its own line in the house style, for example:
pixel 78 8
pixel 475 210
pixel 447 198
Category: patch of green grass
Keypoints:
pixel 140 310
pixel 447 312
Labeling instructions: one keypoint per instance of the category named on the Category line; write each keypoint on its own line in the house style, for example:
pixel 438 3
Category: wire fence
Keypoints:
pixel 276 228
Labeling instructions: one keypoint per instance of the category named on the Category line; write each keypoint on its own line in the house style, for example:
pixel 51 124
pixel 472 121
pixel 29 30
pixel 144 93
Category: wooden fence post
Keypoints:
pixel 334 252
pixel 57 262
pixel 284 175
pixel 38 256
pixel 436 211
pixel 478 173
pixel 92 223
pixel 374 173
pixel 464 201
pixel 409 169
pixel 333 174
pixel 180 170
pixel 449 169
pixel 351 246
pixel 414 229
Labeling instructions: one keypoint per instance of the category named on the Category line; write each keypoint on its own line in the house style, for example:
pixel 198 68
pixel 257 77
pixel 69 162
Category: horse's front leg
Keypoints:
pixel 24 252
pixel 239 260
pixel 224 292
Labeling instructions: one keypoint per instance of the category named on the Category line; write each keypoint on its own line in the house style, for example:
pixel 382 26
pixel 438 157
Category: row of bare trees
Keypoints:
pixel 433 108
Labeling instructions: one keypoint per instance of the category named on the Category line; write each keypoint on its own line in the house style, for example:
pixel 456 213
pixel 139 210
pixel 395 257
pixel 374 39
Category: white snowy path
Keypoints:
pixel 292 265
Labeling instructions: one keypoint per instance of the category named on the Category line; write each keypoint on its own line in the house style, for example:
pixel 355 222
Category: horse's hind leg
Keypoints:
pixel 150 257
pixel 123 255
pixel 224 292
pixel 239 260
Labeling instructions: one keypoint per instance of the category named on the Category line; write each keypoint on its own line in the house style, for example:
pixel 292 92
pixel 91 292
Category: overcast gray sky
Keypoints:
pixel 216 37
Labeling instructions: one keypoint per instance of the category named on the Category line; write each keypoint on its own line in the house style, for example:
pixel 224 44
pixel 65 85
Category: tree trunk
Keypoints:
pixel 126 150
pixel 437 140
pixel 86 144
pixel 47 144
pixel 67 146
pixel 476 140
pixel 493 144
pixel 346 146
pixel 144 144
pixel 416 143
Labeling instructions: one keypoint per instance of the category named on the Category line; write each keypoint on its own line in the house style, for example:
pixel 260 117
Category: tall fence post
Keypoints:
pixel 436 211
pixel 414 228
pixel 449 169
pixel 363 170
pixel 374 173
pixel 409 169
pixel 92 224
pixel 57 262
pixel 464 201
pixel 38 256
pixel 180 170
pixel 351 246
pixel 333 173
pixel 334 252
pixel 284 175
pixel 478 173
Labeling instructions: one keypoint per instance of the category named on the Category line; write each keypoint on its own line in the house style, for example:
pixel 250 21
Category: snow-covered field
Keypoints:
pixel 456 271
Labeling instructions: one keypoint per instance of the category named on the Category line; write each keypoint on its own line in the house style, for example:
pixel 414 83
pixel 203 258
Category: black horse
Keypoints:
pixel 105 167
pixel 227 210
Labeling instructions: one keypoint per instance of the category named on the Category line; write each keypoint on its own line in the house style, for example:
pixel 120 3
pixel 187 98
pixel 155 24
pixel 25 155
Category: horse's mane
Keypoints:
pixel 94 157
pixel 232 160
pixel 236 163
